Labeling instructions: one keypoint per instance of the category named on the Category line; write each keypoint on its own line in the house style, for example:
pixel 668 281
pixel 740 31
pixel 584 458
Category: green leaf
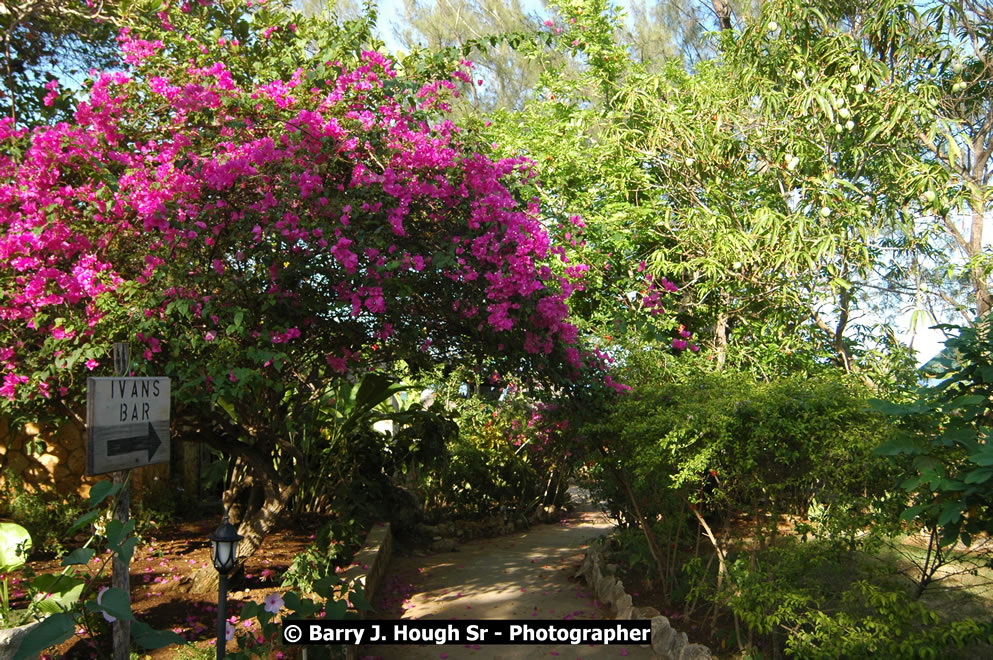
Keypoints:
pixel 984 457
pixel 896 446
pixel 292 600
pixel 63 591
pixel 979 476
pixel 15 543
pixel 51 632
pixel 102 489
pixel 966 400
pixel 147 637
pixel 250 610
pixel 912 512
pixel 950 513
pixel 126 550
pixel 84 519
pixel 335 610
pixel 114 602
pixel 78 556
pixel 117 531
pixel 358 600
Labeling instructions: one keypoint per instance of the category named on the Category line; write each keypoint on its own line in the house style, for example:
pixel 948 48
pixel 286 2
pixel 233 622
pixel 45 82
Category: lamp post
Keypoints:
pixel 224 552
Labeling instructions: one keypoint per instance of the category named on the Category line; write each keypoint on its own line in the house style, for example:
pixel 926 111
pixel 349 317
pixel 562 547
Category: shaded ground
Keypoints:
pixel 162 562
pixel 521 576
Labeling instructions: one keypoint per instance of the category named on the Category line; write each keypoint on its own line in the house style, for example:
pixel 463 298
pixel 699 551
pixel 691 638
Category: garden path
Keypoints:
pixel 524 576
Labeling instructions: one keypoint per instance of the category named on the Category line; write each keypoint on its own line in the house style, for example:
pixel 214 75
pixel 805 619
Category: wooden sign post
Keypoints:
pixel 127 426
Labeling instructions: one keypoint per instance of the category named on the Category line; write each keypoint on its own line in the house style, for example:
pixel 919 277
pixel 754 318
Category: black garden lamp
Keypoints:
pixel 223 552
pixel 224 546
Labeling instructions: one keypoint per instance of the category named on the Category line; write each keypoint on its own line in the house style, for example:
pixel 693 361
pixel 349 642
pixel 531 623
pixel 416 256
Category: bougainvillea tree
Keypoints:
pixel 261 207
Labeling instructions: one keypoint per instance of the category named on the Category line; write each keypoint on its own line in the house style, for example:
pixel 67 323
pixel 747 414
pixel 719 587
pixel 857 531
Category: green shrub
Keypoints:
pixel 43 513
pixel 479 480
pixel 819 604
pixel 731 444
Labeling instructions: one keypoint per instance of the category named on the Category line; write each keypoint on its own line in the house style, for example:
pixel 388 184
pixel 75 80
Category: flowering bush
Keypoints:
pixel 309 214
pixel 264 207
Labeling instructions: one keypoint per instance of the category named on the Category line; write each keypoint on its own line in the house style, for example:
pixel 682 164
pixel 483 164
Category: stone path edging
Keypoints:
pixel 369 564
pixel 667 642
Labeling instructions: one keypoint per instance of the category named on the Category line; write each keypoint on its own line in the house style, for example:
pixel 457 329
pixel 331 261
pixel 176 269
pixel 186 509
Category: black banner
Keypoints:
pixel 466 631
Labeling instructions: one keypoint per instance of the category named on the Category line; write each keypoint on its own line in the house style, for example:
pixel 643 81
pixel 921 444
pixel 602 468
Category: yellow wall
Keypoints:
pixel 62 467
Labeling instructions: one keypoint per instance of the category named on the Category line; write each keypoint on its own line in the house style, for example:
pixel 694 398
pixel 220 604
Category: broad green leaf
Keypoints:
pixel 78 556
pixel 359 601
pixel 335 610
pixel 984 457
pixel 149 638
pixel 50 632
pixel 84 519
pixel 966 400
pixel 15 543
pixel 912 512
pixel 979 476
pixel 102 489
pixel 61 592
pixel 114 602
pixel 126 550
pixel 950 513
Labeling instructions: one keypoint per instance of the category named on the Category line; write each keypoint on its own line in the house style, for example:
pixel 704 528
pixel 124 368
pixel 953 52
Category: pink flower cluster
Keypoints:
pixel 333 191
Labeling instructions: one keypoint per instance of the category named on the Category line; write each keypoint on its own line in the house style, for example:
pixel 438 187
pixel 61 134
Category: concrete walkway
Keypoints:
pixel 522 576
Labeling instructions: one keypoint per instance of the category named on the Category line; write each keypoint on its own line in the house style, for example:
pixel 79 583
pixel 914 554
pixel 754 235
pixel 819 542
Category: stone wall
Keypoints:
pixel 61 468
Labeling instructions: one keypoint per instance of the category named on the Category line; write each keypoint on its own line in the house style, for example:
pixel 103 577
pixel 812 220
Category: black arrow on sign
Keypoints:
pixel 149 441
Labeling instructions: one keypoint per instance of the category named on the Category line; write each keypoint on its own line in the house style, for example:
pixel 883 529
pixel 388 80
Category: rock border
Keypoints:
pixel 369 564
pixel 667 642
pixel 368 568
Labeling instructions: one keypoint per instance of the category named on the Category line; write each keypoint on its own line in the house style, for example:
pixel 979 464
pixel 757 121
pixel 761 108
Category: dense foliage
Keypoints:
pixel 583 256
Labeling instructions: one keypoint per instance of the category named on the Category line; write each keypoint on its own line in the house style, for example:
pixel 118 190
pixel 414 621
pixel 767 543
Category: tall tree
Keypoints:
pixel 762 183
pixel 959 146
pixel 42 41
pixel 508 75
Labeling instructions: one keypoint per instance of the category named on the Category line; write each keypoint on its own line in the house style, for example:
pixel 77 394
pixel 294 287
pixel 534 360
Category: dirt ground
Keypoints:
pixel 161 566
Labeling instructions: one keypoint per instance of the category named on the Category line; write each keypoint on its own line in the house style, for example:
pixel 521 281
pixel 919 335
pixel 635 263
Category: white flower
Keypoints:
pixel 228 631
pixel 273 603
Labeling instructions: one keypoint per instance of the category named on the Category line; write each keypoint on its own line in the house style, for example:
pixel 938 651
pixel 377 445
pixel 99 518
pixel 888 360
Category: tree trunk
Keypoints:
pixel 653 546
pixel 723 11
pixel 267 501
pixel 721 339
pixel 978 277
pixel 254 527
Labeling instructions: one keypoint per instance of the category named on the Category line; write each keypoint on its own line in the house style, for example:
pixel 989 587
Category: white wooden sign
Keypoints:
pixel 127 423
